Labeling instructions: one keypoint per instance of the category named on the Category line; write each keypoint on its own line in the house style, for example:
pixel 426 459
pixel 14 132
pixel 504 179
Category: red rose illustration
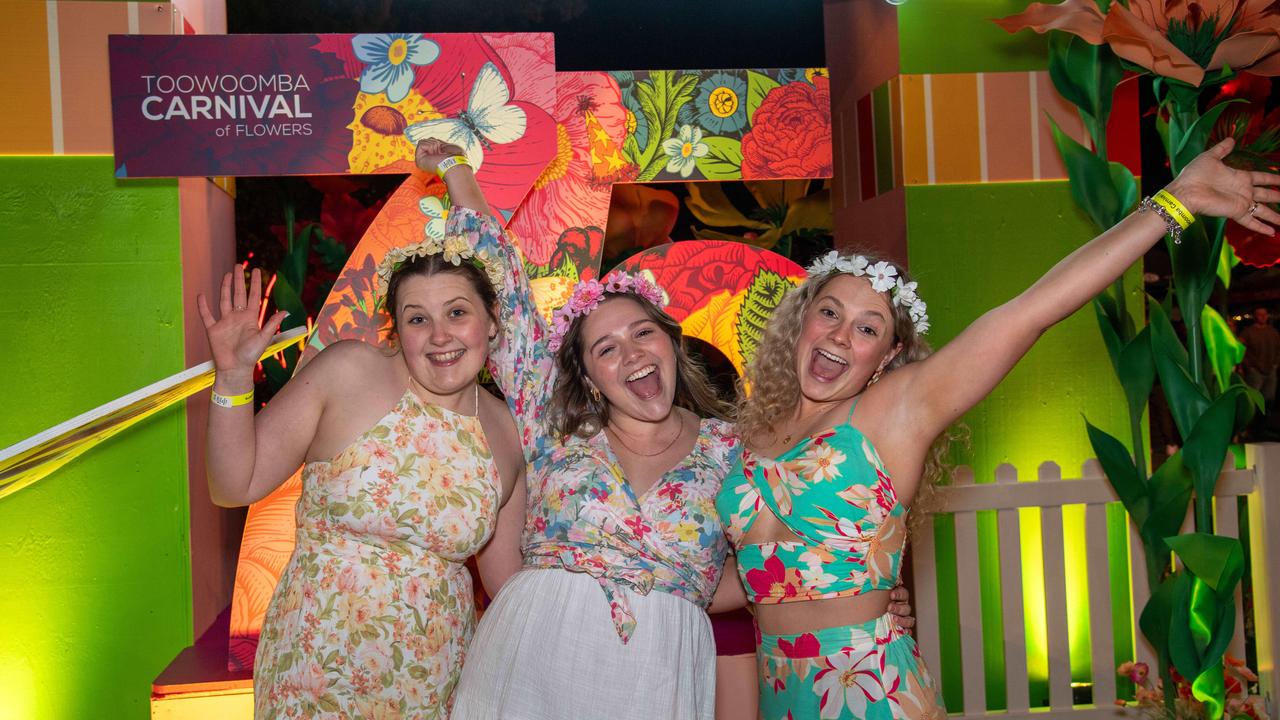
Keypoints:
pixel 790 133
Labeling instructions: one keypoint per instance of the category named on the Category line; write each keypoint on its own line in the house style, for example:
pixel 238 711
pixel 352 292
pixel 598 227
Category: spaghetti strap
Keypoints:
pixel 849 420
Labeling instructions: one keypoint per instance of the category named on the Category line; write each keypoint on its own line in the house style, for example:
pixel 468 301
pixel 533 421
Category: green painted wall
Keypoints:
pixel 957 36
pixel 972 247
pixel 94 560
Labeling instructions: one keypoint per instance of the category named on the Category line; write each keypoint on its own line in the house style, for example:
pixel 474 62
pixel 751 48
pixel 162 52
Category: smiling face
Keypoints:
pixel 847 334
pixel 629 359
pixel 444 331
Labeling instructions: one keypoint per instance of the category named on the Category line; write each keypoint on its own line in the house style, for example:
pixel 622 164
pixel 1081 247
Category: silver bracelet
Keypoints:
pixel 1171 226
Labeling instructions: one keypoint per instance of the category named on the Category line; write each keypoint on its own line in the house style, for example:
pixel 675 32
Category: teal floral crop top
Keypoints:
pixel 832 491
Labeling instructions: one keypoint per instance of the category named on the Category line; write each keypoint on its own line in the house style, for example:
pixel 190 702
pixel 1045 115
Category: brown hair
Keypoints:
pixel 429 265
pixel 775 387
pixel 575 412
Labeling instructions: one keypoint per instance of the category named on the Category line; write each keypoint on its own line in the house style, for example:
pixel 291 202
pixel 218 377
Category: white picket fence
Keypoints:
pixel 1259 483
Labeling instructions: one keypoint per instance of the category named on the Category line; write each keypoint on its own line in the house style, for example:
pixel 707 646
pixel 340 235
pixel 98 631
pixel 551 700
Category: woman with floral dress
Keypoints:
pixel 622 552
pixel 407 462
pixel 840 427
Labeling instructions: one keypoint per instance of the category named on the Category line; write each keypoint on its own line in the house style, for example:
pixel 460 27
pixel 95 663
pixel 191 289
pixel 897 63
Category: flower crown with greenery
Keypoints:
pixel 884 278
pixel 454 249
pixel 588 294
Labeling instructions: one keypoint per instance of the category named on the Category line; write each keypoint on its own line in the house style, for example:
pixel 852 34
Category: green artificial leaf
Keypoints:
pixel 1121 472
pixel 1205 449
pixel 1169 494
pixel 1104 308
pixel 1093 180
pixel 1137 372
pixel 1215 559
pixel 723 160
pixel 1126 186
pixel 758 86
pixel 293 266
pixel 1195 263
pixel 1227 260
pixel 1156 614
pixel 288 298
pixel 762 297
pixel 1186 399
pixel 1087 76
pixel 1225 351
pixel 1195 137
pixel 332 253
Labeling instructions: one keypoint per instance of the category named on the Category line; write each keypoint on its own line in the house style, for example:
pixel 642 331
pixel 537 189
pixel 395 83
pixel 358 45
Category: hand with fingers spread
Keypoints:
pixel 235 340
pixel 1207 186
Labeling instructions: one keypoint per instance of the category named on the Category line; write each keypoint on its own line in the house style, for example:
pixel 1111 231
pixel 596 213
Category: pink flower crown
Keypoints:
pixel 588 294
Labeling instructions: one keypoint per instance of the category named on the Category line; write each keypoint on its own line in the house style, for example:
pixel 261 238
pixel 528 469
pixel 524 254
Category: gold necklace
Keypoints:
pixel 665 448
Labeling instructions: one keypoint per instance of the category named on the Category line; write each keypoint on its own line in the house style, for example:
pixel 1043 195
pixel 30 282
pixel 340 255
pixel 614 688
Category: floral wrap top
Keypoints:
pixel 832 491
pixel 582 515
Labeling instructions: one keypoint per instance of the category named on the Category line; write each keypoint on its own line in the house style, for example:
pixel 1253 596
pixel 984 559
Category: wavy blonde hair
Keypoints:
pixel 775 387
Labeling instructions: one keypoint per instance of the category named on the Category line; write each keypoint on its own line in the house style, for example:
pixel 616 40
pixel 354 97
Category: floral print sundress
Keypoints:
pixel 375 609
pixel 833 492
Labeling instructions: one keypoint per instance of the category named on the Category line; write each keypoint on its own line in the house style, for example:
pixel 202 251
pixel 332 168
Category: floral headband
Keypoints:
pixel 588 294
pixel 454 248
pixel 884 278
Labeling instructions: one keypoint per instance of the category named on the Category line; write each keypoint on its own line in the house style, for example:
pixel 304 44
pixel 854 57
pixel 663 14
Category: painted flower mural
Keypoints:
pixel 389 61
pixel 722 103
pixel 790 134
pixel 573 190
pixel 684 149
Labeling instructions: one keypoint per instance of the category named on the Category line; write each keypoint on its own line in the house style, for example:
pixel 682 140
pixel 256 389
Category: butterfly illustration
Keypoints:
pixel 488 120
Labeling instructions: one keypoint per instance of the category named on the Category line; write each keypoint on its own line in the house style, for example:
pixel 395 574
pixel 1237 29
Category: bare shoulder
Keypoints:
pixel 504 440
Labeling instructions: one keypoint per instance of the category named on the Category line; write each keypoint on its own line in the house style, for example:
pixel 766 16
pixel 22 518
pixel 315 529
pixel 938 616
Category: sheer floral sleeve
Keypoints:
pixel 521 363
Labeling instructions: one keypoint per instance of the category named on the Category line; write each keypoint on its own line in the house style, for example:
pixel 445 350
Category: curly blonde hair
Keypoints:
pixel 775 388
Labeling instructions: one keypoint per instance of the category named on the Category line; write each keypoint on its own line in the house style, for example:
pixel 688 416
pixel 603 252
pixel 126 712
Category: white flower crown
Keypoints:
pixel 884 278
pixel 455 249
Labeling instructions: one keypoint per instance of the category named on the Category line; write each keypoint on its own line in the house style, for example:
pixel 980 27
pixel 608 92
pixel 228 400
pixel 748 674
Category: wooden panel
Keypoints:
pixel 1055 598
pixel 1141 592
pixel 955 128
pixel 1015 632
pixel 926 596
pixel 1101 636
pixel 1006 98
pixel 24 54
pixel 1084 491
pixel 970 596
pixel 915 159
pixel 1227 521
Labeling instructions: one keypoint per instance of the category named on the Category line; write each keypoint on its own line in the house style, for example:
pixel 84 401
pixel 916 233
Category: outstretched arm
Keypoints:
pixel 945 386
pixel 521 363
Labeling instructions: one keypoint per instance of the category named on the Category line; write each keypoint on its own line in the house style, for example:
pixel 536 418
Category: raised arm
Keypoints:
pixel 521 363
pixel 943 387
pixel 250 456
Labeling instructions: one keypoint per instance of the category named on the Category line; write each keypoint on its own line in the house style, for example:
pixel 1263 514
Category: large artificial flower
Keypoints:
pixel 390 59
pixel 1257 136
pixel 1179 39
pixel 790 133
pixel 684 150
pixel 573 190
pixel 722 103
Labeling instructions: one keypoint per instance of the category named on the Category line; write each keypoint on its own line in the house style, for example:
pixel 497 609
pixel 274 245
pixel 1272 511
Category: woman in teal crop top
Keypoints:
pixel 846 403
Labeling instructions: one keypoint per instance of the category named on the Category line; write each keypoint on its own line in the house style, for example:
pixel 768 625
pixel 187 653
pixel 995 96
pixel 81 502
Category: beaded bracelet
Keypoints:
pixel 1176 216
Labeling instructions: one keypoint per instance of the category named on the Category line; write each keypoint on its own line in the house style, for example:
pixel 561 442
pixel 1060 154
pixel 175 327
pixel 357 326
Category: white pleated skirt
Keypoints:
pixel 546 649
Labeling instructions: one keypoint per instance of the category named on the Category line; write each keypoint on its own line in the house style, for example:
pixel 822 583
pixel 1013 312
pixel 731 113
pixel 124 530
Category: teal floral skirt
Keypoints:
pixel 870 670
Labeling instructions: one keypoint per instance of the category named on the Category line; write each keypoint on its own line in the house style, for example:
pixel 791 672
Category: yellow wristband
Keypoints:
pixel 231 400
pixel 1176 209
pixel 449 163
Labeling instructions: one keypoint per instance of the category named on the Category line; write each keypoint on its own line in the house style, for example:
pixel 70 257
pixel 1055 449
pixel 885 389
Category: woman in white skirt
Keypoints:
pixel 622 549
